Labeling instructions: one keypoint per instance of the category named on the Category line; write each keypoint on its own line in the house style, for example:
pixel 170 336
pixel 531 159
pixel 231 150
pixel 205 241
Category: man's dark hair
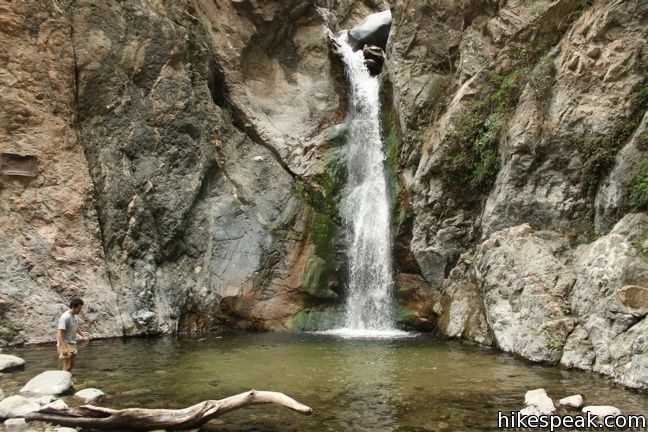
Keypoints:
pixel 75 302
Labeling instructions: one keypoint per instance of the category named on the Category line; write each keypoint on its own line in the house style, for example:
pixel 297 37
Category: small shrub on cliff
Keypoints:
pixel 472 160
pixel 638 192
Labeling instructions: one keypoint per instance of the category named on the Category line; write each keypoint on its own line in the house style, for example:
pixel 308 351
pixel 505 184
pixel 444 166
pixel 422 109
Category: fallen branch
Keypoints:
pixel 195 416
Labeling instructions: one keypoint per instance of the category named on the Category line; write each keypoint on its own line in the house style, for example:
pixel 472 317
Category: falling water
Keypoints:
pixel 364 206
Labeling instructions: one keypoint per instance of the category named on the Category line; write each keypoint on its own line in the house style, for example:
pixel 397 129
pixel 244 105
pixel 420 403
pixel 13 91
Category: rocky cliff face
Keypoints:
pixel 523 140
pixel 188 170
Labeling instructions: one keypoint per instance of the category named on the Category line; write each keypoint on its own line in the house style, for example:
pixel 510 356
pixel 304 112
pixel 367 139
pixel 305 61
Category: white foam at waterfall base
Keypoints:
pixel 365 208
pixel 349 333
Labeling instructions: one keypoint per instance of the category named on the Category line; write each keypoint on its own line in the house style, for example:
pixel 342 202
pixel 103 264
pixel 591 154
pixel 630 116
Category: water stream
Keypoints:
pixel 365 206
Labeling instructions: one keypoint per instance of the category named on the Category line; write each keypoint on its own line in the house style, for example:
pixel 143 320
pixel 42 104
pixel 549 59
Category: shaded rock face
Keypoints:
pixel 522 141
pixel 182 183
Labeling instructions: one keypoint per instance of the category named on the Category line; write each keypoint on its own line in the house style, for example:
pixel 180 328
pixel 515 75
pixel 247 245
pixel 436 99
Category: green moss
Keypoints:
pixel 404 315
pixel 315 279
pixel 336 136
pixel 553 344
pixel 541 80
pixel 316 319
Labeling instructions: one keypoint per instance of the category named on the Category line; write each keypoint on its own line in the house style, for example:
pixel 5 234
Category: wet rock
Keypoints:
pixel 602 411
pixel 538 400
pixel 15 424
pixel 373 30
pixel 58 404
pixel 8 362
pixel 49 383
pixel 575 401
pixel 374 59
pixel 90 395
pixel 17 406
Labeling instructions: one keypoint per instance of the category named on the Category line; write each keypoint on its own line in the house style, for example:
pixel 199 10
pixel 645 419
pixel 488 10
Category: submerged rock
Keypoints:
pixel 49 383
pixel 17 406
pixel 8 362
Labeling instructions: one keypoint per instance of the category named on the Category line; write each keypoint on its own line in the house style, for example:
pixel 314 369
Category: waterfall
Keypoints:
pixel 364 206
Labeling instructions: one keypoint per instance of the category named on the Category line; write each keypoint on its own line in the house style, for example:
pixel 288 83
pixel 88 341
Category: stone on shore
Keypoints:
pixel 8 362
pixel 58 404
pixel 49 383
pixel 539 400
pixel 17 406
pixel 90 395
pixel 575 401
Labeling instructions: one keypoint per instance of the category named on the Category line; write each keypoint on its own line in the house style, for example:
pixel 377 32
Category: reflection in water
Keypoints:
pixel 411 384
pixel 369 370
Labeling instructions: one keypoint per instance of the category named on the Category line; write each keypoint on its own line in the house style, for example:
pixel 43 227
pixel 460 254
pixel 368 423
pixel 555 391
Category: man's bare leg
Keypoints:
pixel 67 364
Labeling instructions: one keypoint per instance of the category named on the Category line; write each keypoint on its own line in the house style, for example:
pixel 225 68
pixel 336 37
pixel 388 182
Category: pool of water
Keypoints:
pixel 404 384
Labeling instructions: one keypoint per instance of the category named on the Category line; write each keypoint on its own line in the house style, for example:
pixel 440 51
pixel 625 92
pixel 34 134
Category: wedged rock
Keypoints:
pixel 58 404
pixel 602 411
pixel 575 401
pixel 89 395
pixel 49 383
pixel 8 362
pixel 17 406
pixel 15 424
pixel 373 30
pixel 374 59
pixel 537 399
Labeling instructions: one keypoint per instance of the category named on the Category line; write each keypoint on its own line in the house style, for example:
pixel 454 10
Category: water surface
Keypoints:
pixel 406 384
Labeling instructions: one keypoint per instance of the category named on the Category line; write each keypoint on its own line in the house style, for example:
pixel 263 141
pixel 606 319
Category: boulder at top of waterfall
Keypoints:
pixel 49 383
pixel 373 30
pixel 17 406
pixel 10 362
pixel 89 395
pixel 539 400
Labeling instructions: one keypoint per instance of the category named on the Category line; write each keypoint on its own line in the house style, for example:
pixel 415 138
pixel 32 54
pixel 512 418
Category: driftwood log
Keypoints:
pixel 90 416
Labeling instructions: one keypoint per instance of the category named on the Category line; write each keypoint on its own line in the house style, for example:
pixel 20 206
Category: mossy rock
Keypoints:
pixel 404 315
pixel 315 282
pixel 336 135
pixel 316 320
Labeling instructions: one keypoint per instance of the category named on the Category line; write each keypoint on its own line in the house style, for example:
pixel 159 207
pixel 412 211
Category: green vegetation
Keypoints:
pixel 638 190
pixel 600 151
pixel 215 27
pixel 472 161
pixel 538 7
pixel 553 344
pixel 392 147
pixel 541 80
pixel 437 94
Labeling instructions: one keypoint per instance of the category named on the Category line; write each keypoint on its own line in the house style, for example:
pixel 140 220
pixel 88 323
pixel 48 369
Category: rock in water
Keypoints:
pixel 10 362
pixel 90 395
pixel 602 411
pixel 575 401
pixel 17 424
pixel 539 400
pixel 49 383
pixel 373 30
pixel 17 406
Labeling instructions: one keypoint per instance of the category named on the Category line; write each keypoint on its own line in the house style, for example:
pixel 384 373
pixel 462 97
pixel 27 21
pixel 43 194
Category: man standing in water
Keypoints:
pixel 68 328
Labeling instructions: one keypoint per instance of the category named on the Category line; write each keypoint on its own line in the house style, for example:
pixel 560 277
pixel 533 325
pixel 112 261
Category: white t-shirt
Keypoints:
pixel 69 324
